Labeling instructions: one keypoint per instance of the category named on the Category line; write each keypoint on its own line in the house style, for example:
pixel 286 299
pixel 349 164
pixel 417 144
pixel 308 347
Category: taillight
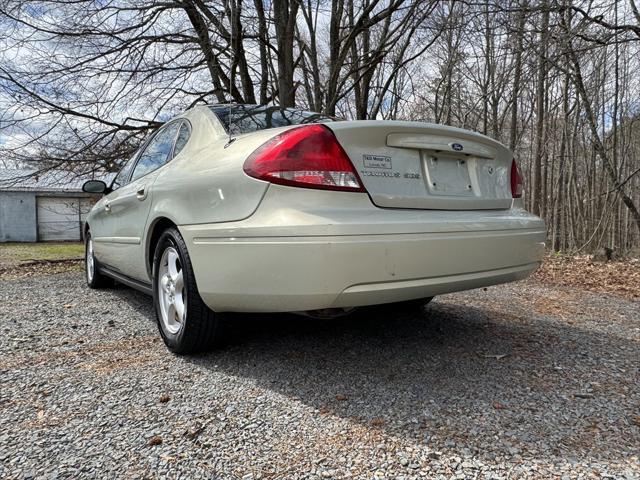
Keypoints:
pixel 517 185
pixel 307 156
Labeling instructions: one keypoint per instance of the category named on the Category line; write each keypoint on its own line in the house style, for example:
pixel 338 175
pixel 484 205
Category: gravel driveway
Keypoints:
pixel 516 381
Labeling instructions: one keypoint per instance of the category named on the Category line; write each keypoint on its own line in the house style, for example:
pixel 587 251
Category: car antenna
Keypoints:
pixel 231 70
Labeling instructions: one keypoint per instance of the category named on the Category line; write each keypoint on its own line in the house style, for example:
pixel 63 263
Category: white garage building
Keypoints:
pixel 44 207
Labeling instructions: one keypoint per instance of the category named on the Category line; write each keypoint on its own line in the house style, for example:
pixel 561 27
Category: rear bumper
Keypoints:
pixel 371 293
pixel 255 266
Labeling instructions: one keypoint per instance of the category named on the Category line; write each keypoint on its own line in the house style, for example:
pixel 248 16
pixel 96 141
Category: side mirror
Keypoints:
pixel 94 186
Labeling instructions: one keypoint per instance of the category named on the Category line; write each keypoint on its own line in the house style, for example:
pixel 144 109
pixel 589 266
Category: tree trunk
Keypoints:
pixel 537 198
pixel 285 13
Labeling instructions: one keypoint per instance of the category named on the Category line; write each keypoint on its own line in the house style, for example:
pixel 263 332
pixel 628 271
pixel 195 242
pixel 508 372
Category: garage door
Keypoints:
pixel 61 218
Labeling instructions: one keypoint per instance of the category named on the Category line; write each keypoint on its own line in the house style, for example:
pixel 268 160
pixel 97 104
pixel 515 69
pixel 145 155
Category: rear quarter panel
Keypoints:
pixel 205 183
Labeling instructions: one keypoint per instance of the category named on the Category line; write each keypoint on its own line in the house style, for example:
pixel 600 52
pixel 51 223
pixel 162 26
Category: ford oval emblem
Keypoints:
pixel 457 147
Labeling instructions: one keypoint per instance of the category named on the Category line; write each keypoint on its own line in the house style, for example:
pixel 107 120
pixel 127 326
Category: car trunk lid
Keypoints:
pixel 427 166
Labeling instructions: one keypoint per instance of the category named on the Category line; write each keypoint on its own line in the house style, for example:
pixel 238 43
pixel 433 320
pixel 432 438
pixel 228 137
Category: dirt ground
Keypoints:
pixel 534 379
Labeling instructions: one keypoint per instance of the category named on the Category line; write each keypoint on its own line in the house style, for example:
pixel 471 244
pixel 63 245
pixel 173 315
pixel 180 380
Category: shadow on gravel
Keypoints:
pixel 435 376
pixel 493 379
pixel 140 302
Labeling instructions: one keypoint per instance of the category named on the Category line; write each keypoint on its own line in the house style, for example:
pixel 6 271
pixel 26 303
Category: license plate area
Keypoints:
pixel 447 176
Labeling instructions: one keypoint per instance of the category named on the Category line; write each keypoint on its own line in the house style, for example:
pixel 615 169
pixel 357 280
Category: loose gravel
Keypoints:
pixel 516 381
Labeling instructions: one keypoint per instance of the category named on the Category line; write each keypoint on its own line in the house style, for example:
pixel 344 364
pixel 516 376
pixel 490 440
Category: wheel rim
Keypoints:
pixel 90 261
pixel 171 297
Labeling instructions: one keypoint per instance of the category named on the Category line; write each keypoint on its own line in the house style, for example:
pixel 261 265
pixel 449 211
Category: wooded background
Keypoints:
pixel 83 81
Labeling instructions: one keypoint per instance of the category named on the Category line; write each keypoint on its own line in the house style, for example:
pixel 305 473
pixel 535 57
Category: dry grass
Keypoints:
pixel 18 253
pixel 28 259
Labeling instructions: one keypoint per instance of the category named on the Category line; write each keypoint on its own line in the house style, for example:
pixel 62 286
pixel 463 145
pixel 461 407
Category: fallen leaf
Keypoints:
pixel 498 356
pixel 616 277
pixel 341 398
pixel 583 395
pixel 155 440
pixel 193 433
pixel 324 410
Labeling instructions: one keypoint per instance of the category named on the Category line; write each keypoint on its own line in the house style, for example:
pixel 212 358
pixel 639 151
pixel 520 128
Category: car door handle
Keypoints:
pixel 141 194
pixel 107 207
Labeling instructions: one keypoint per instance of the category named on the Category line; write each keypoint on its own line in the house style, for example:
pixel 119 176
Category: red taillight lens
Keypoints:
pixel 308 156
pixel 517 185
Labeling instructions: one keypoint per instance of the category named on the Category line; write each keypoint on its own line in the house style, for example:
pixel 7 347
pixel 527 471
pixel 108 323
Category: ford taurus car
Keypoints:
pixel 245 208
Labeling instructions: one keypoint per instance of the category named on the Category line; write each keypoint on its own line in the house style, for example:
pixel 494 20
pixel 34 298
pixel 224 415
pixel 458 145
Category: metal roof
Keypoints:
pixel 25 180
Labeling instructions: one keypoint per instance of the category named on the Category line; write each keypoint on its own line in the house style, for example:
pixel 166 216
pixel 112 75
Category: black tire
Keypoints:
pixel 200 327
pixel 97 279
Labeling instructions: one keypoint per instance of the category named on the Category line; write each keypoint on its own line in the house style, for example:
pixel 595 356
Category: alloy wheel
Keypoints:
pixel 172 298
pixel 90 262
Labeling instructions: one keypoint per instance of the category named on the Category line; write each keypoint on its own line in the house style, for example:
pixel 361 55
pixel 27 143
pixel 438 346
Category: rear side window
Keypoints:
pixel 183 138
pixel 157 151
pixel 239 119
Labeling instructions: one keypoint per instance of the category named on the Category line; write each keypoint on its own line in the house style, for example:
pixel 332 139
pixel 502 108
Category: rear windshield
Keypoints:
pixel 239 119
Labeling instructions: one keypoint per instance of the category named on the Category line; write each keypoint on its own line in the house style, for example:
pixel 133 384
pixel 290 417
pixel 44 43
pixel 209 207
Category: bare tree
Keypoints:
pixel 82 83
